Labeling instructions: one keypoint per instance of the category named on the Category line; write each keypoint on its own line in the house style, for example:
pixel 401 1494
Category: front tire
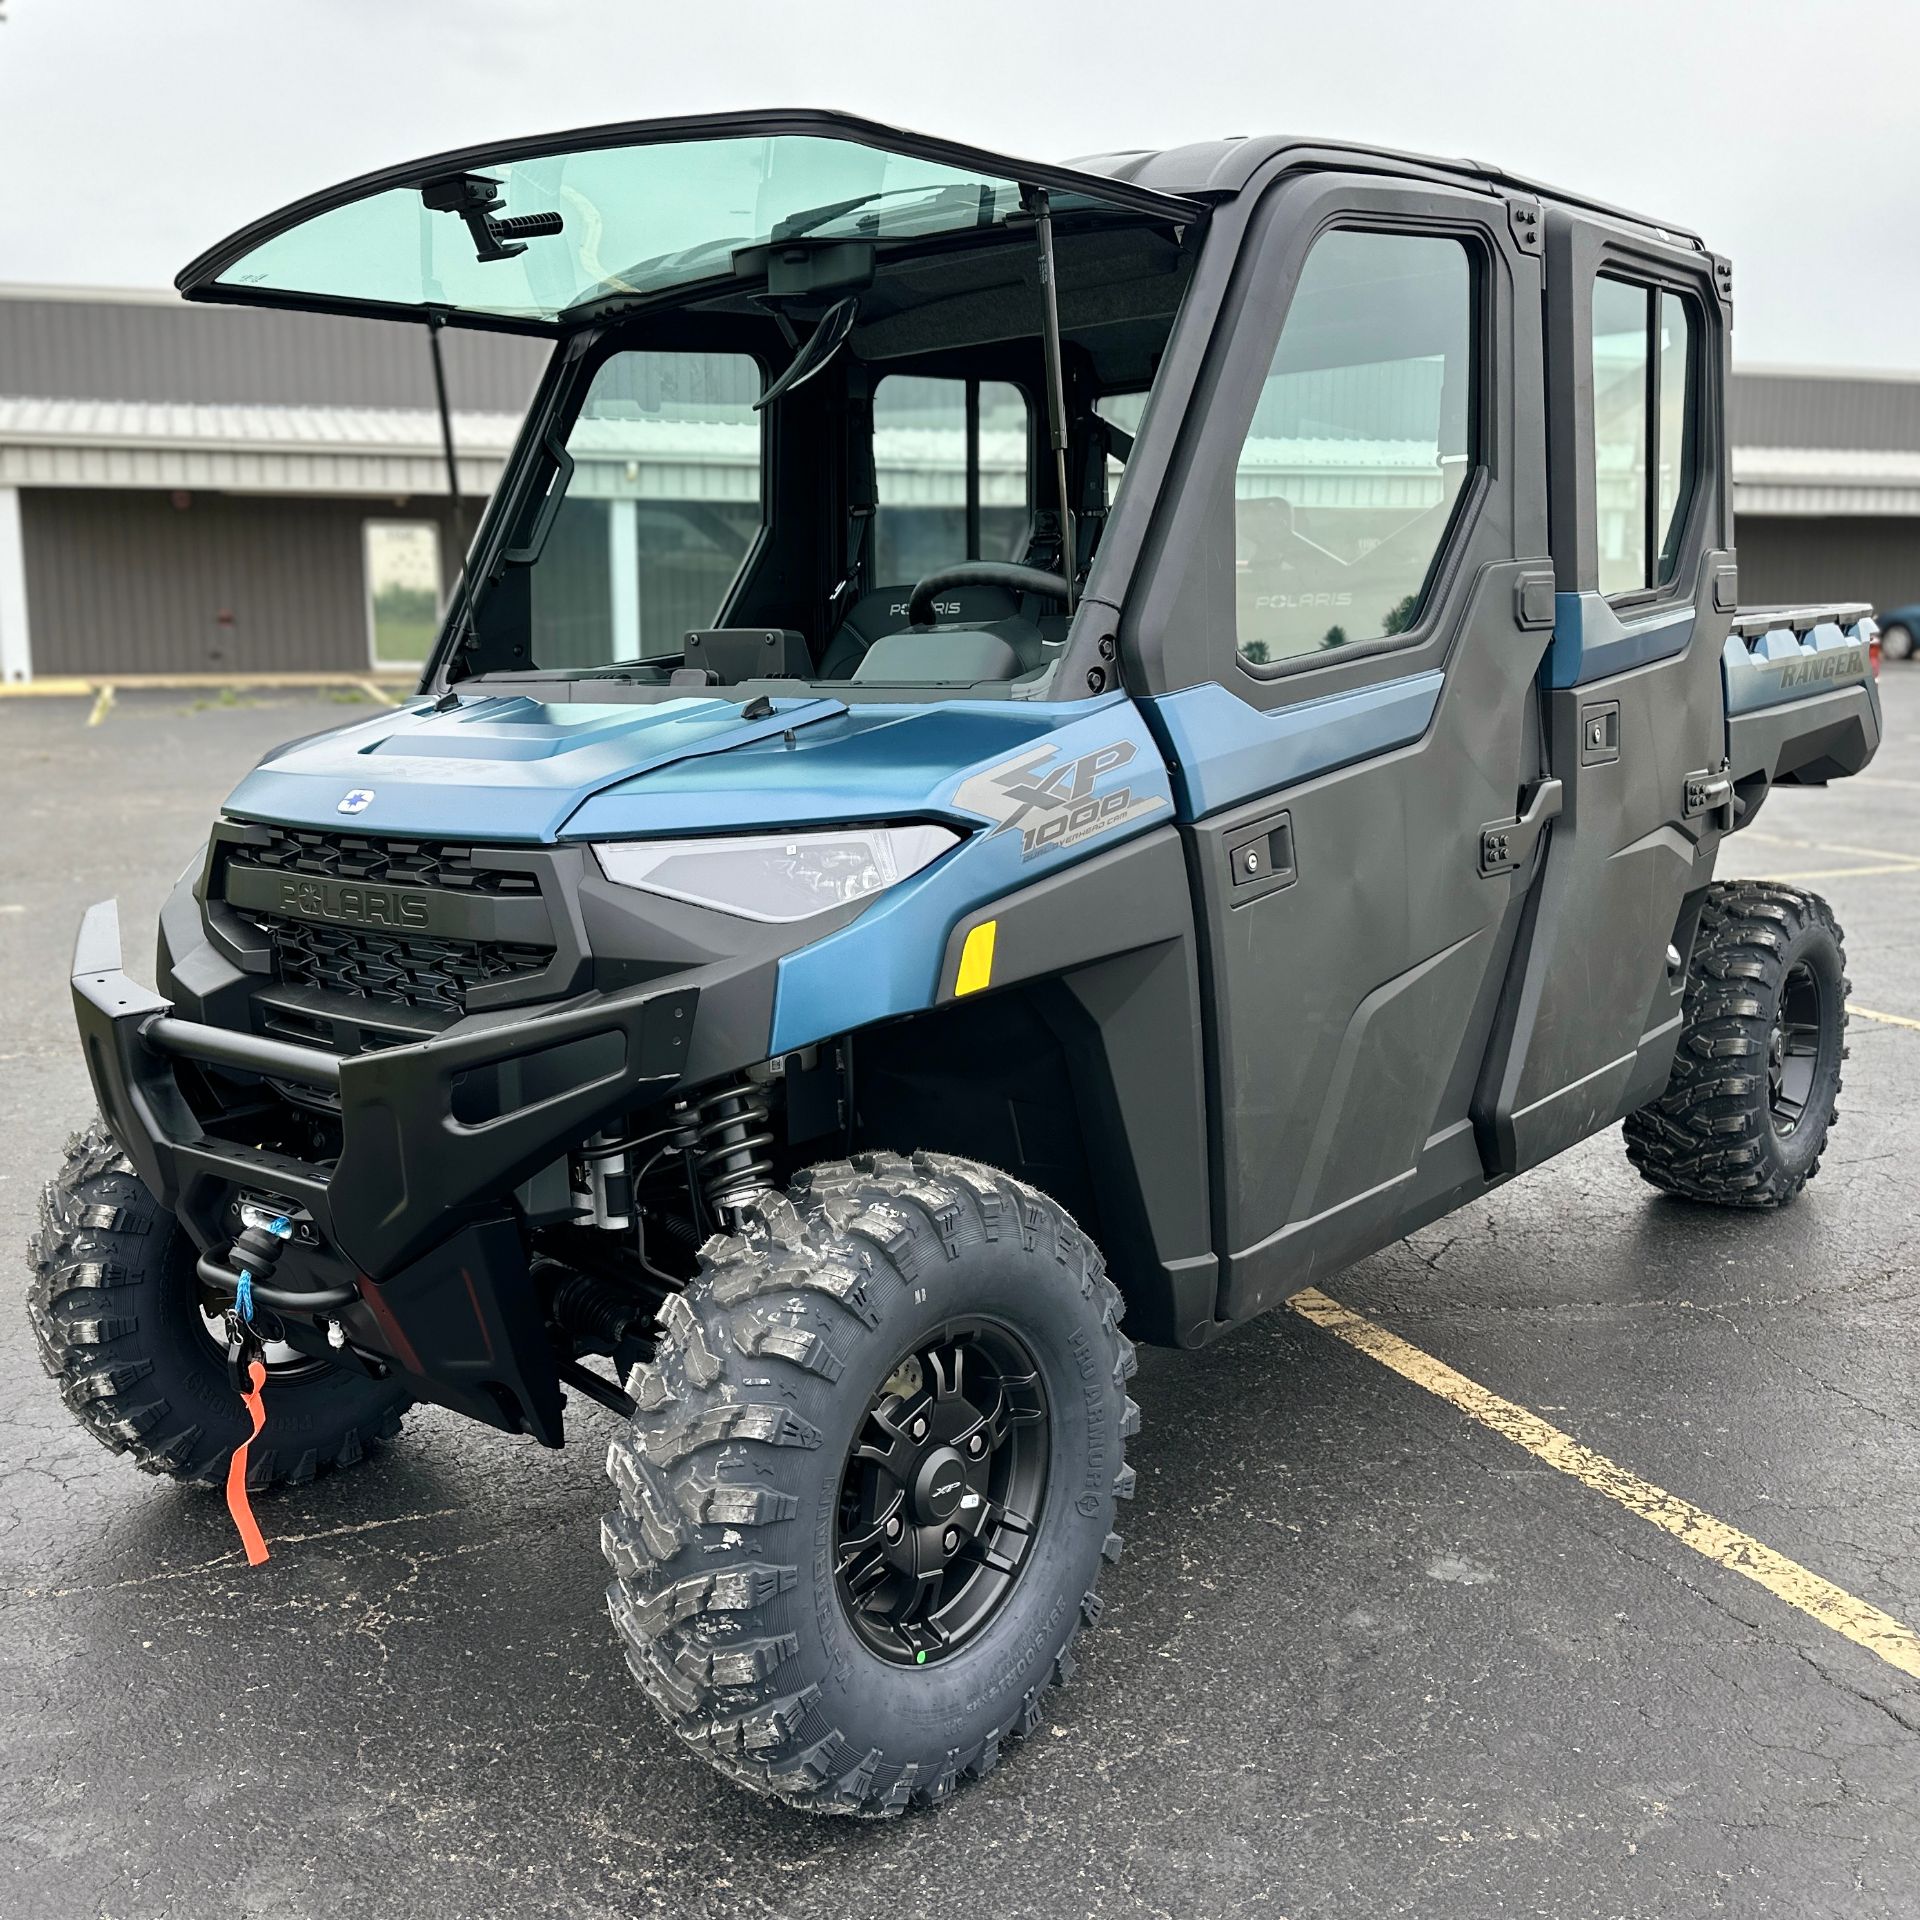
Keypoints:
pixel 1896 642
pixel 1755 1081
pixel 115 1307
pixel 885 1363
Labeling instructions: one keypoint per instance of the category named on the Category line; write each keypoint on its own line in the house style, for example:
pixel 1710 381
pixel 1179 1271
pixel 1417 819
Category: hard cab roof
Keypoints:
pixel 1220 169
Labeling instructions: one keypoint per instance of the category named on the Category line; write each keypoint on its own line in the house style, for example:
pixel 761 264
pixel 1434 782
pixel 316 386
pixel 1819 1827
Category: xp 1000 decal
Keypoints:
pixel 1053 802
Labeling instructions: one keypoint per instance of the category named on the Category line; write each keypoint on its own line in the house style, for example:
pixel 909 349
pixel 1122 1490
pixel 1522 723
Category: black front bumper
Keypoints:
pixel 433 1136
pixel 431 1133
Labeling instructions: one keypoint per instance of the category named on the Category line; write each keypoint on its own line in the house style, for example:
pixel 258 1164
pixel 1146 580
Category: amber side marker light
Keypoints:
pixel 976 959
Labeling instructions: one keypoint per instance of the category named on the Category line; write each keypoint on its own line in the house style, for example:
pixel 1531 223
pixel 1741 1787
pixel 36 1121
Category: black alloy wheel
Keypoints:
pixel 1794 1048
pixel 942 1492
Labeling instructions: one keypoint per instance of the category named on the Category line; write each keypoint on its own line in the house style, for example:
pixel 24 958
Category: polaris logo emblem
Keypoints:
pixel 365 906
pixel 946 1487
pixel 1055 806
pixel 358 800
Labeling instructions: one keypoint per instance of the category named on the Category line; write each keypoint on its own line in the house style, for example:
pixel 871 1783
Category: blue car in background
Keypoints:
pixel 1898 625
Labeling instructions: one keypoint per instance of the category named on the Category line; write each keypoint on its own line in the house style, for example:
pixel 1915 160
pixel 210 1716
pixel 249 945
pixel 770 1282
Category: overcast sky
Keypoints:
pixel 134 132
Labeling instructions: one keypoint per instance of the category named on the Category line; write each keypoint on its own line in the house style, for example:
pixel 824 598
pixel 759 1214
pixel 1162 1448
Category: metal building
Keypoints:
pixel 216 490
pixel 203 489
pixel 1827 485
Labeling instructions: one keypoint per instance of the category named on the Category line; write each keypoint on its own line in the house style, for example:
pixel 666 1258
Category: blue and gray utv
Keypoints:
pixel 1014 741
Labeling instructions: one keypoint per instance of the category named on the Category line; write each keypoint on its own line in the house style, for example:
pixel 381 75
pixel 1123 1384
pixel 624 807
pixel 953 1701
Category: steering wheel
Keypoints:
pixel 980 573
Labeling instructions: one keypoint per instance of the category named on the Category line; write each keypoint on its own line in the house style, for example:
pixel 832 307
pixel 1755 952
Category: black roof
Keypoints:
pixel 1218 169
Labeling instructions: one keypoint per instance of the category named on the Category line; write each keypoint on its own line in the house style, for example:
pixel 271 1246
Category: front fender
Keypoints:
pixel 1094 782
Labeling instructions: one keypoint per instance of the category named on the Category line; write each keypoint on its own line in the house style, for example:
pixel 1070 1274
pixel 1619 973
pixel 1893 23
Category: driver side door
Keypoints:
pixel 1361 602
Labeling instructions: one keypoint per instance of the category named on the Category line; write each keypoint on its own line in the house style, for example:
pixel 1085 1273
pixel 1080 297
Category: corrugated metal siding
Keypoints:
pixel 1864 411
pixel 1789 561
pixel 131 583
pixel 140 349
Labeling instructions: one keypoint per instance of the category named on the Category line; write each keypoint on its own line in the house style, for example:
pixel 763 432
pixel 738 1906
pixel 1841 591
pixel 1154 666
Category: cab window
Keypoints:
pixel 661 508
pixel 1360 445
pixel 950 474
pixel 1645 383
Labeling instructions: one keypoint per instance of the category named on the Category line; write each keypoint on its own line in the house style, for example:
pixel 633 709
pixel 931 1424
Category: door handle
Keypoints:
pixel 1506 844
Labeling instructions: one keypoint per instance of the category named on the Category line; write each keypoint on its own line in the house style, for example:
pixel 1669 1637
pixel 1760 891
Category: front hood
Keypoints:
pixel 507 768
pixel 502 767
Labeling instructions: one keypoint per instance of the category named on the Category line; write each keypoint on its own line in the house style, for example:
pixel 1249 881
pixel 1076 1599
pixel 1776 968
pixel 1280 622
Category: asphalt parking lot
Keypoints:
pixel 1363 1655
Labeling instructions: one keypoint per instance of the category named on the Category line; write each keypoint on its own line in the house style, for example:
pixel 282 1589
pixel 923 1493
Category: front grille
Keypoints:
pixel 354 857
pixel 410 970
pixel 388 963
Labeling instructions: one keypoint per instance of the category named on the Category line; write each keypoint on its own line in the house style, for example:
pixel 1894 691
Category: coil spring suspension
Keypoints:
pixel 729 1136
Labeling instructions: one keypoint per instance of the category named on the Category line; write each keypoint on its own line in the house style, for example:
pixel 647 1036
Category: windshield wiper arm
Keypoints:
pixel 810 219
pixel 827 338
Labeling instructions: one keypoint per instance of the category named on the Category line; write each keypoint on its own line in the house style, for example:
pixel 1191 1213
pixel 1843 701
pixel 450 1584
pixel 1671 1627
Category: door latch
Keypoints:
pixel 1260 858
pixel 1507 844
pixel 1710 792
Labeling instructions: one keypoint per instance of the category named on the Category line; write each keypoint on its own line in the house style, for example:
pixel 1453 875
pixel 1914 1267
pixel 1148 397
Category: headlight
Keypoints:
pixel 775 876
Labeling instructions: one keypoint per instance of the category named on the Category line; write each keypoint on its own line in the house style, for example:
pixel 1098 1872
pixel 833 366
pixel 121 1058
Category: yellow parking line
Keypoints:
pixel 1819 1599
pixel 1833 873
pixel 1825 846
pixel 1892 1019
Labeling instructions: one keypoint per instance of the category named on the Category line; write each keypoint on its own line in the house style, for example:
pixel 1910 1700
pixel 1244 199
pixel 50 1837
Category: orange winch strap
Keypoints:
pixel 250 1535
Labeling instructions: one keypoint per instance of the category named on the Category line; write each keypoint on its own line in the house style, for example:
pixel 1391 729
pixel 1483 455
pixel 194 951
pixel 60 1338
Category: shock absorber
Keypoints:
pixel 602 1176
pixel 728 1136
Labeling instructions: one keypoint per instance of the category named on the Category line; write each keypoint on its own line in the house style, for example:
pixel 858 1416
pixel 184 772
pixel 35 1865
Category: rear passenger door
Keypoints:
pixel 1636 346
pixel 1347 604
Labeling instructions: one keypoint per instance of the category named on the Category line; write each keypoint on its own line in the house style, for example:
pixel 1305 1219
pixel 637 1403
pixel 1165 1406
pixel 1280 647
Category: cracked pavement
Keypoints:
pixel 1362 1657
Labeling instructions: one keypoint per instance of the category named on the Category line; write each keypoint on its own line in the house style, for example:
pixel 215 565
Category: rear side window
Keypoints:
pixel 1645 403
pixel 1360 444
pixel 950 473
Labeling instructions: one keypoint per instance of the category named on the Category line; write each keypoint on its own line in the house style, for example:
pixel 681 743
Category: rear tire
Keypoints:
pixel 115 1307
pixel 740 1481
pixel 1753 1091
pixel 1896 642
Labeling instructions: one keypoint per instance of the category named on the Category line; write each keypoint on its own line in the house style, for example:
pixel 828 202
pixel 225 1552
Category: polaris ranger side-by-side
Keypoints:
pixel 1014 739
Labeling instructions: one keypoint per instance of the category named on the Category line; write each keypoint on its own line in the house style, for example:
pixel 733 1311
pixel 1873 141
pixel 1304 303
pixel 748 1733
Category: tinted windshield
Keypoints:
pixel 611 220
pixel 837 474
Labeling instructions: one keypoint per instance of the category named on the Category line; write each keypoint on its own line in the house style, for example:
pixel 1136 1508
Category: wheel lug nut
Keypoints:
pixel 894 1528
pixel 976 1446
pixel 952 1540
pixel 919 1429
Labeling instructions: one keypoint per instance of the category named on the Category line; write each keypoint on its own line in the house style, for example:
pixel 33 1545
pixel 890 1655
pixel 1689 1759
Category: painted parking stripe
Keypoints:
pixel 1890 1019
pixel 1819 1599
pixel 1829 846
pixel 1835 873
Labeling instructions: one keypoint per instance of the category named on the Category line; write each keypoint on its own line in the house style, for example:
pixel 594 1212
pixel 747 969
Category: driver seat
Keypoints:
pixel 883 611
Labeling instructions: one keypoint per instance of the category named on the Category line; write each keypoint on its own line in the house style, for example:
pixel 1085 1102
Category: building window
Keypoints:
pixel 1645 383
pixel 951 475
pixel 1361 441
pixel 403 591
